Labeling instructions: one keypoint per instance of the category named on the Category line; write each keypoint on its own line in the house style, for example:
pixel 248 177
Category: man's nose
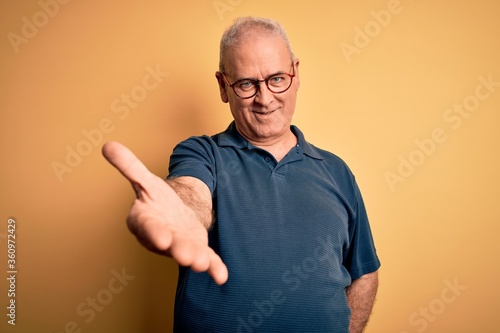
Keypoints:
pixel 264 96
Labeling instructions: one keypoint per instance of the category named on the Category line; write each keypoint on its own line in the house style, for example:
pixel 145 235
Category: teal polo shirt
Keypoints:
pixel 293 234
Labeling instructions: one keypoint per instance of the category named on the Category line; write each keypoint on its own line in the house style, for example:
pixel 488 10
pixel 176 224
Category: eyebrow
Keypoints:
pixel 254 79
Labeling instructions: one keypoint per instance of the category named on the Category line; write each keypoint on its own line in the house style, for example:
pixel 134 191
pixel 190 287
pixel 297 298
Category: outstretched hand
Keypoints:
pixel 160 219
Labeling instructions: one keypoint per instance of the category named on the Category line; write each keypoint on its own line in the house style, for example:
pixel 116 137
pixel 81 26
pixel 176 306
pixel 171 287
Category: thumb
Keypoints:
pixel 126 162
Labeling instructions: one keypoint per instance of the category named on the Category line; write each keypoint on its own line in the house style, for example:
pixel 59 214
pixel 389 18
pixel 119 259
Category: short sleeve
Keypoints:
pixel 361 256
pixel 194 157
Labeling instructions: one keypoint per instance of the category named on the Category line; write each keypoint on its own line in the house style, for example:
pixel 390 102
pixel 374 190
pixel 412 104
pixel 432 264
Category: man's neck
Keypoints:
pixel 278 147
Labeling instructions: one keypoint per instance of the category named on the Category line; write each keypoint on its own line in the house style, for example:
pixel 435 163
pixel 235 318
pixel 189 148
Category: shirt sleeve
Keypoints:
pixel 361 256
pixel 194 157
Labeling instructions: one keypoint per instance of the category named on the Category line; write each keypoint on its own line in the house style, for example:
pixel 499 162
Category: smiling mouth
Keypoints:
pixel 264 113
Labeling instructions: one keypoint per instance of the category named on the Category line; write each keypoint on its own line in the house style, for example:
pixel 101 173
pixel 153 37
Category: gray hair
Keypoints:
pixel 240 26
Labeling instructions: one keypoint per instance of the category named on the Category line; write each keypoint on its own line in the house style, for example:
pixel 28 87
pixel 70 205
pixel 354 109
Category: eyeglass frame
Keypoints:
pixel 257 83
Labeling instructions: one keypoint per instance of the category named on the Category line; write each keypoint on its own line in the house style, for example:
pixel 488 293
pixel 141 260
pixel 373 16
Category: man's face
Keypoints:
pixel 266 117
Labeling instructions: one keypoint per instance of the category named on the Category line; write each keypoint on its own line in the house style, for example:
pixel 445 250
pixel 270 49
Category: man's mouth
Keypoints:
pixel 264 113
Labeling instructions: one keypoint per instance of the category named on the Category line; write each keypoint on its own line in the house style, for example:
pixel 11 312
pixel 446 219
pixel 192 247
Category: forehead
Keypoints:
pixel 257 55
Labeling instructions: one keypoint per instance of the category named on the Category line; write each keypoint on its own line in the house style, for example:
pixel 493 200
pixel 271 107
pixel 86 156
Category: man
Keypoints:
pixel 278 224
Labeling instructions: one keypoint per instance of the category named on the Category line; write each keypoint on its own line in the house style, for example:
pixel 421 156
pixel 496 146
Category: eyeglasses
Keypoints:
pixel 248 88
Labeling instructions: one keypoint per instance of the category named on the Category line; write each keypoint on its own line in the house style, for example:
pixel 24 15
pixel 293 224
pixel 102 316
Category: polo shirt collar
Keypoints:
pixel 232 138
pixel 307 148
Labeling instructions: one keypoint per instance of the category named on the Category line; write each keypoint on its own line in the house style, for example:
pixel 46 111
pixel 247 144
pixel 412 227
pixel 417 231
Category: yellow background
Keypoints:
pixel 437 227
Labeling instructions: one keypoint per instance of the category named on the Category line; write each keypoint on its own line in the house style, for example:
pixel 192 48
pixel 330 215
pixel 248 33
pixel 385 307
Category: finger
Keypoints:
pixel 126 162
pixel 218 270
pixel 209 262
pixel 200 259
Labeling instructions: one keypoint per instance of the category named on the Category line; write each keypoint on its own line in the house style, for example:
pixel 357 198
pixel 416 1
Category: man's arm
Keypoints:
pixel 361 296
pixel 166 222
pixel 196 195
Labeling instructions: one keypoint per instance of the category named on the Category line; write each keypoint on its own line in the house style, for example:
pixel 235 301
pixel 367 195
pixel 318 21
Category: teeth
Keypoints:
pixel 265 113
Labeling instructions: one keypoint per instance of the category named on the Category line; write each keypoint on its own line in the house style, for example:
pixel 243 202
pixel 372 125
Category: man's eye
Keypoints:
pixel 245 85
pixel 276 80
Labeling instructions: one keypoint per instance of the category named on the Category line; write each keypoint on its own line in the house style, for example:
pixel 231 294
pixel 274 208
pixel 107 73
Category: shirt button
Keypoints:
pixel 267 159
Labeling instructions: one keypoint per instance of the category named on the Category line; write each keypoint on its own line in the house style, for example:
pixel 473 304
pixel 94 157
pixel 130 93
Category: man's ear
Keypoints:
pixel 296 70
pixel 222 87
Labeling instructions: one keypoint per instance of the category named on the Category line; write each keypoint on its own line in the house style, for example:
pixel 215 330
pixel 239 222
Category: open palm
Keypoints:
pixel 160 219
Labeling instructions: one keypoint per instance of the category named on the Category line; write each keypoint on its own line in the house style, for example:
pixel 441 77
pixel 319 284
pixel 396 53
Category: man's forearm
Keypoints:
pixel 196 195
pixel 361 296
